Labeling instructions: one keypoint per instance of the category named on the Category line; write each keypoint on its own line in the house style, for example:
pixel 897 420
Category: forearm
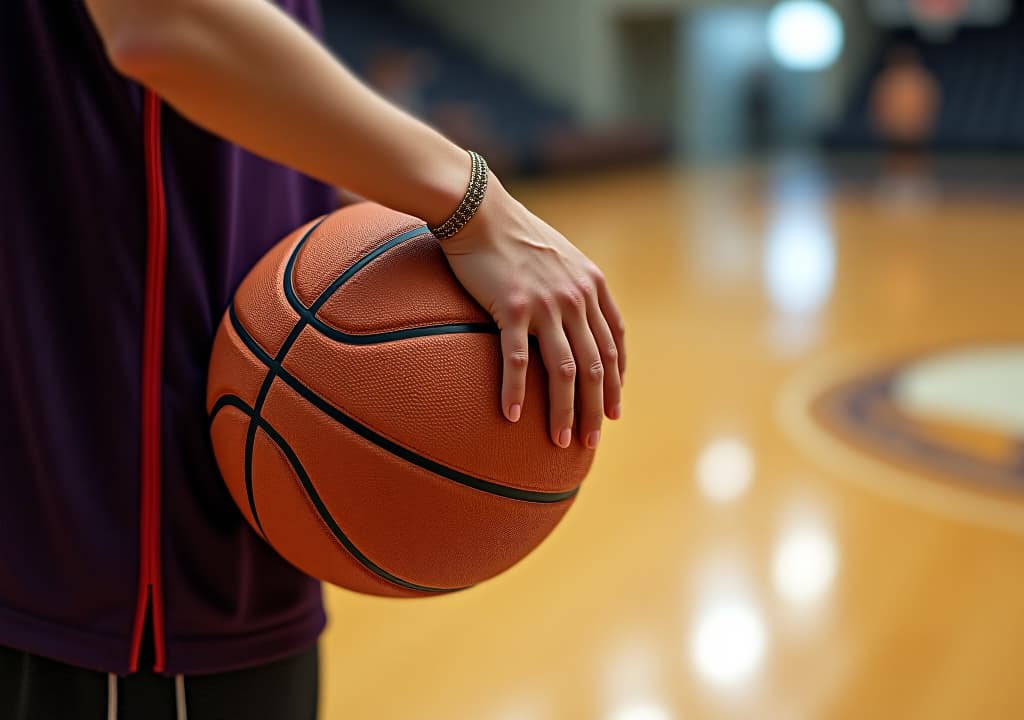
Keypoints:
pixel 246 71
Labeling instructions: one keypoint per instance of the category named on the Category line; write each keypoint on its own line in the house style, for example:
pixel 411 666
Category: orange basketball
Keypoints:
pixel 355 414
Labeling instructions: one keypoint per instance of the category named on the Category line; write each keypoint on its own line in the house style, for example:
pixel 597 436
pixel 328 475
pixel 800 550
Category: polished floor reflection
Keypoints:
pixel 721 562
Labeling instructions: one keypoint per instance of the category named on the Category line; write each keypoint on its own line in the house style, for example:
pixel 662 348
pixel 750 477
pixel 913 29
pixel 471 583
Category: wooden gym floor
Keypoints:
pixel 738 551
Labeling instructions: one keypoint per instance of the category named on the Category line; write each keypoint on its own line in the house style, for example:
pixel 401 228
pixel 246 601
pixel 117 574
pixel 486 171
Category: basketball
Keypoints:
pixel 354 402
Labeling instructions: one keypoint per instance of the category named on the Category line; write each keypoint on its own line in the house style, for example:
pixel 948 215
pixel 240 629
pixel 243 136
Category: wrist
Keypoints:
pixel 445 185
pixel 472 199
pixel 496 215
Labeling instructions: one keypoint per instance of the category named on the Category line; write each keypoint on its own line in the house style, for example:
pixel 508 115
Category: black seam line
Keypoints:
pixel 250 434
pixel 393 335
pixel 293 459
pixel 385 443
pixel 257 413
pixel 309 314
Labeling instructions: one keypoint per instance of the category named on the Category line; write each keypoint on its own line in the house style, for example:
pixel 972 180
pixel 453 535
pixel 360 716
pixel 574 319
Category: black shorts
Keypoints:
pixel 36 688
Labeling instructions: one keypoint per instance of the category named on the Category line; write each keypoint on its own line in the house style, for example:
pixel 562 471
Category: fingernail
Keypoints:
pixel 514 412
pixel 593 439
pixel 616 412
pixel 564 438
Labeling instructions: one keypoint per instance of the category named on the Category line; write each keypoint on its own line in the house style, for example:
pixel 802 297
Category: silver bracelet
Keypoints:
pixel 470 201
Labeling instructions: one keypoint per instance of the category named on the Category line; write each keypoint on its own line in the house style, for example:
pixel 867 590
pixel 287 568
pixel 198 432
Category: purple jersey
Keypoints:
pixel 84 553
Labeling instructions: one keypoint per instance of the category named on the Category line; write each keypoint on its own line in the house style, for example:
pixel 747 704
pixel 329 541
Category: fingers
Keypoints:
pixel 590 378
pixel 582 344
pixel 608 349
pixel 515 349
pixel 561 366
pixel 615 322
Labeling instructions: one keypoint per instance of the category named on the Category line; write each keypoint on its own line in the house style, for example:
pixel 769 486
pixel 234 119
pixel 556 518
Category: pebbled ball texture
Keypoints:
pixel 355 414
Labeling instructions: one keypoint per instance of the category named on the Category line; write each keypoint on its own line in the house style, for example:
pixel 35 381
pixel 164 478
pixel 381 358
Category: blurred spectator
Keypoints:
pixel 905 100
pixel 904 111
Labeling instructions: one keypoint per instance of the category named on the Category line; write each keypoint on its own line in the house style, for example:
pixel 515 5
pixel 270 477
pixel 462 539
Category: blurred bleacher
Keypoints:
pixel 414 63
pixel 980 74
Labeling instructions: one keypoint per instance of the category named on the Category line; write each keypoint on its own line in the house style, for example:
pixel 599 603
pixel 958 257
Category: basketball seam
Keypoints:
pixel 279 442
pixel 548 495
pixel 409 333
pixel 296 251
pixel 293 335
pixel 386 443
pixel 400 332
pixel 309 314
pixel 363 338
pixel 325 529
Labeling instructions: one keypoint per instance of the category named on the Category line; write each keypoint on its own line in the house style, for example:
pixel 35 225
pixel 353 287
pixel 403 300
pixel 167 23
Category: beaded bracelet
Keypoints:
pixel 470 201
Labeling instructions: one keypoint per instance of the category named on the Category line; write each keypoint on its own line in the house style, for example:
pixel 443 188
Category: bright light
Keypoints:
pixel 725 469
pixel 805 563
pixel 805 34
pixel 800 259
pixel 728 643
pixel 641 711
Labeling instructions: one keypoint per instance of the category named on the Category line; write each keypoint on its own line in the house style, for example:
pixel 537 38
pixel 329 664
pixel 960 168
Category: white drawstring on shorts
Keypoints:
pixel 111 696
pixel 179 697
pixel 181 707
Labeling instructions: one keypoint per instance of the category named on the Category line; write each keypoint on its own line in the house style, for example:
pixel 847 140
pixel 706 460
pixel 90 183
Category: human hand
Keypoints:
pixel 533 281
